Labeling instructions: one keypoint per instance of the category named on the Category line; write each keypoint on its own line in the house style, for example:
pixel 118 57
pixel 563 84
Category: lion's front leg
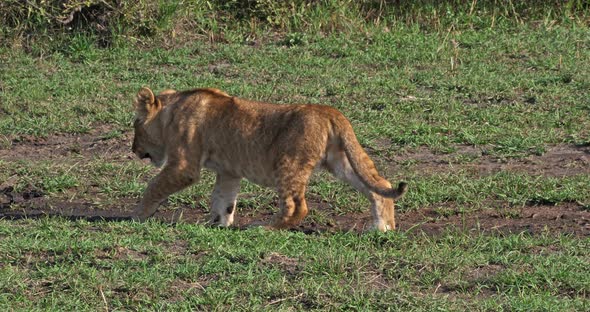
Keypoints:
pixel 223 199
pixel 170 180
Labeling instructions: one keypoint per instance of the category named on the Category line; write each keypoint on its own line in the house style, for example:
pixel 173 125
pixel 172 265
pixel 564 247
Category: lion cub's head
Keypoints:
pixel 148 141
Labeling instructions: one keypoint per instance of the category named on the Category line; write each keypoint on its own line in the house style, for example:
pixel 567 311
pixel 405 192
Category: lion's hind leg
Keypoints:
pixel 382 209
pixel 293 210
pixel 291 187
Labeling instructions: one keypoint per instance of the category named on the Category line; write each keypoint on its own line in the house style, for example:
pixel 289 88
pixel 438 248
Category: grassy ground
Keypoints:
pixel 513 95
pixel 57 264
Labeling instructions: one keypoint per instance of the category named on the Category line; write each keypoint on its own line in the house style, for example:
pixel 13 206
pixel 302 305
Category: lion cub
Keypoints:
pixel 268 144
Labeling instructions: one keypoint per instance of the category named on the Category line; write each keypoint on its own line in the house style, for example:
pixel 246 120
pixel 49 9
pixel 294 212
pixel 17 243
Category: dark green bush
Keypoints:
pixel 51 22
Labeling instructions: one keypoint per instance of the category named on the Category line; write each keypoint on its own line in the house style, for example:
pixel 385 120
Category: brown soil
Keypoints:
pixel 62 147
pixel 559 160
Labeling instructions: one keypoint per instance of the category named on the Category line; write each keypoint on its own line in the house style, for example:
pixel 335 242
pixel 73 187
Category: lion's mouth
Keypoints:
pixel 149 158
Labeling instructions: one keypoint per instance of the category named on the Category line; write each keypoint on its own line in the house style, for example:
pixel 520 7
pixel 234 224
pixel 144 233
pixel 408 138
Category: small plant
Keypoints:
pixel 82 48
pixel 113 134
pixel 5 142
pixel 509 213
pixel 295 39
pixel 59 183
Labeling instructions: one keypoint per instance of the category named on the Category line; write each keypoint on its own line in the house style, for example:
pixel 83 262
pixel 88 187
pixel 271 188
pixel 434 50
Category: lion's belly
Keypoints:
pixel 261 180
pixel 256 172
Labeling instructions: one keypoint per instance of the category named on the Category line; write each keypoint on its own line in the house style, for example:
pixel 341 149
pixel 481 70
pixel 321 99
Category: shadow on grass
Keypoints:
pixel 32 204
pixel 29 213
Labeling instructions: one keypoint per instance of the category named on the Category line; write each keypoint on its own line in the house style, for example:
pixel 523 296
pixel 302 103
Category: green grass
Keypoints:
pixel 524 92
pixel 510 82
pixel 58 264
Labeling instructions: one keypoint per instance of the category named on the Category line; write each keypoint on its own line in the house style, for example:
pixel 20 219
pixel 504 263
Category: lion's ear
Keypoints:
pixel 145 102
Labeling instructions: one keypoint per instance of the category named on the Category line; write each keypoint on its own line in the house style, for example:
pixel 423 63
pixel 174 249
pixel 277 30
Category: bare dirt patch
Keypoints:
pixel 467 286
pixel 179 289
pixel 102 142
pixel 291 266
pixel 562 218
pixel 559 160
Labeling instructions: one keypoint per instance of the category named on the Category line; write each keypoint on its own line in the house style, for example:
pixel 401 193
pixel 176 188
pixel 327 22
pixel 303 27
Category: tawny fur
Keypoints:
pixel 271 145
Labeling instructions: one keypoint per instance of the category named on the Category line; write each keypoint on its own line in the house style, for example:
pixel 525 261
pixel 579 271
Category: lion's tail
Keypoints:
pixel 363 166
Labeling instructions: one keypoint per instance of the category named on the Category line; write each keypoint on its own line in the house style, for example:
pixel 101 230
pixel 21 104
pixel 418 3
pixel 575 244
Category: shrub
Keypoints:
pixel 51 22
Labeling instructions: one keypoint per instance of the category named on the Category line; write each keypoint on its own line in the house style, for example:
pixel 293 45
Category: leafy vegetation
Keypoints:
pixel 426 79
pixel 43 26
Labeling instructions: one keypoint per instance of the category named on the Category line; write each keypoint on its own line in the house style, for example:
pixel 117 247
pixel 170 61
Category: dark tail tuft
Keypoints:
pixel 402 188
